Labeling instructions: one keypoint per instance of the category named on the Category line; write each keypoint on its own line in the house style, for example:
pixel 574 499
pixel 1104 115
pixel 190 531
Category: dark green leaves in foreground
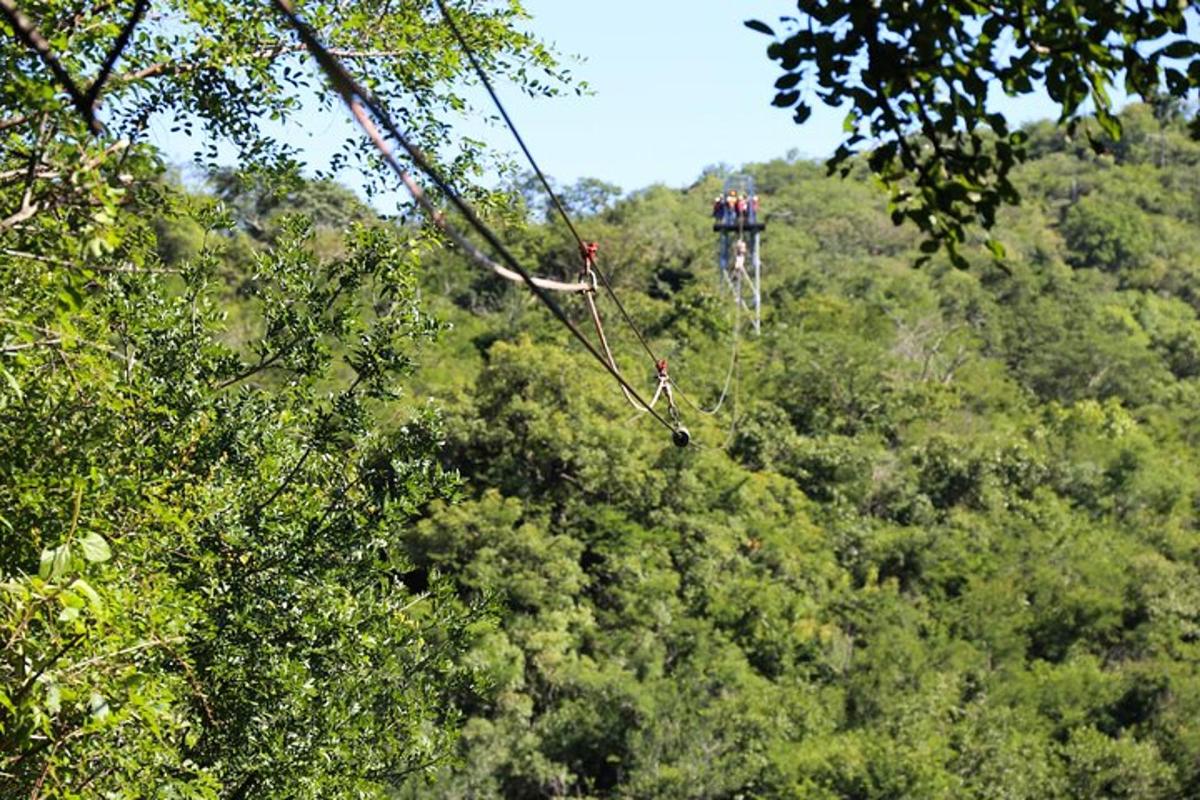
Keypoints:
pixel 919 81
pixel 201 501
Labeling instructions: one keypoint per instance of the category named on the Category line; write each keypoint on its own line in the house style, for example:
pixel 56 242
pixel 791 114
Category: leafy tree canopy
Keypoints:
pixel 203 488
pixel 921 81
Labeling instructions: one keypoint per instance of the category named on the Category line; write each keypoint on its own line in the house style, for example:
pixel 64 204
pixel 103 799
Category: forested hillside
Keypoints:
pixel 939 541
pixel 303 501
pixel 295 502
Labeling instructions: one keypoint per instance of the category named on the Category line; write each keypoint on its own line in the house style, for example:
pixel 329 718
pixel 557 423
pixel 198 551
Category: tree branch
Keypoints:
pixel 270 53
pixel 93 93
pixel 12 122
pixel 25 687
pixel 32 38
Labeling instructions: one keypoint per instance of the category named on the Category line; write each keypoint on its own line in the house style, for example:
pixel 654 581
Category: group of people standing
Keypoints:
pixel 735 209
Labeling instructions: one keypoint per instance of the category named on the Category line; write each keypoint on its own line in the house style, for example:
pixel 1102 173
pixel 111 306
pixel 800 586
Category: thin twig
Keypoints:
pixel 87 662
pixel 25 687
pixel 51 332
pixel 270 52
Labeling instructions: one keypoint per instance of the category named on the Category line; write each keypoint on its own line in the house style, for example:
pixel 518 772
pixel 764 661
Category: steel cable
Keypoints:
pixel 357 98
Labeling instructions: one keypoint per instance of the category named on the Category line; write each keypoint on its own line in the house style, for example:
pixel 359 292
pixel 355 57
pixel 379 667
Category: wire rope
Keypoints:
pixel 357 99
pixel 487 84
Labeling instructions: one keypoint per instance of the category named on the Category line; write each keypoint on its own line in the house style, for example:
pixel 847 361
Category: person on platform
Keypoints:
pixel 743 206
pixel 731 203
pixel 718 210
pixel 753 210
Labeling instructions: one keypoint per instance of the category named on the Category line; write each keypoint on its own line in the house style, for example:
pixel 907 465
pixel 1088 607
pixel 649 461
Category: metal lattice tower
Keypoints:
pixel 736 219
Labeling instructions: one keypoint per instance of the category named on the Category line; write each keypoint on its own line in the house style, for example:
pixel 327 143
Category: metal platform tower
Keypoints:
pixel 737 219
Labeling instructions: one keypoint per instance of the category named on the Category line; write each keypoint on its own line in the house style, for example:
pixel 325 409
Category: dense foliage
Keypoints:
pixel 295 504
pixel 249 634
pixel 943 545
pixel 923 79
pixel 203 485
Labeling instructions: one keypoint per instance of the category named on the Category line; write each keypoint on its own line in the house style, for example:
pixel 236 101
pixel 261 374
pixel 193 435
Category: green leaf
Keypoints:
pixel 98 706
pixel 1183 49
pixel 1177 82
pixel 54 562
pixel 1110 124
pixel 789 80
pixel 94 548
pixel 12 383
pixel 761 27
pixel 89 594
pixel 69 298
pixel 785 99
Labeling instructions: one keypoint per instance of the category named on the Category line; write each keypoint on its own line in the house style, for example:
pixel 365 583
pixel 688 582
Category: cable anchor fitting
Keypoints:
pixel 587 252
pixel 679 434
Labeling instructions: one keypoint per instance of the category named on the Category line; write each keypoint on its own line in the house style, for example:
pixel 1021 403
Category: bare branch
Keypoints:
pixel 12 122
pixel 103 269
pixel 26 211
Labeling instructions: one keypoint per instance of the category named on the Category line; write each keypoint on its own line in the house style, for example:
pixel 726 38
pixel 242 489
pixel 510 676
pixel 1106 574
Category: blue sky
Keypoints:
pixel 676 86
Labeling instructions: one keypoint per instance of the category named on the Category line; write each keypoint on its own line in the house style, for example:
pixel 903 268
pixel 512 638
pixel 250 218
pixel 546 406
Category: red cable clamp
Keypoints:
pixel 588 252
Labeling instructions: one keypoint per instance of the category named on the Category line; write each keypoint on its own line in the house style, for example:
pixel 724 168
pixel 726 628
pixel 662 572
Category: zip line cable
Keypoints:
pixel 487 84
pixel 357 98
pixel 588 252
pixel 733 422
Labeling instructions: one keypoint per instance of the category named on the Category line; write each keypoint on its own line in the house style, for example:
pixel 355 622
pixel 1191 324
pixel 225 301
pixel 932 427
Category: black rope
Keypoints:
pixel 352 93
pixel 487 84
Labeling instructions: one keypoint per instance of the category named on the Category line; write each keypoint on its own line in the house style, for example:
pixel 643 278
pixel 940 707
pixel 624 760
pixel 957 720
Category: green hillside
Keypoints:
pixel 940 540
pixel 296 503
